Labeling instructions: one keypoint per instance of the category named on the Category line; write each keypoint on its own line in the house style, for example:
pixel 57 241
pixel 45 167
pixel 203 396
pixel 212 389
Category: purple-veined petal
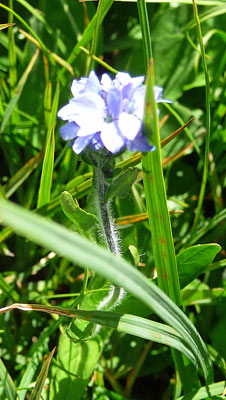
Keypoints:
pixel 114 102
pixel 111 138
pixel 69 131
pixel 135 83
pixel 89 113
pixel 80 143
pixel 129 125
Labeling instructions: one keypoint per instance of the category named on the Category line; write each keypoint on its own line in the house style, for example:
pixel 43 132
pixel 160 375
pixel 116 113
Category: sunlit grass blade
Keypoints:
pixel 86 254
pixel 216 389
pixel 48 163
pixel 37 391
pixel 12 52
pixel 25 24
pixel 47 171
pixel 7 383
pixel 199 2
pixel 163 247
pixel 99 61
pixel 5 26
pixel 18 91
pixel 126 323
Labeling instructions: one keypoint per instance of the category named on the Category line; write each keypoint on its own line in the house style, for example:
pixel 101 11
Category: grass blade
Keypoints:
pixel 86 254
pixel 131 324
pixel 18 91
pixel 7 382
pixel 47 171
pixel 37 391
pixel 207 146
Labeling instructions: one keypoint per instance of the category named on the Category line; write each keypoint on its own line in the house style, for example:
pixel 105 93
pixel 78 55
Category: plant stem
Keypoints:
pixel 108 232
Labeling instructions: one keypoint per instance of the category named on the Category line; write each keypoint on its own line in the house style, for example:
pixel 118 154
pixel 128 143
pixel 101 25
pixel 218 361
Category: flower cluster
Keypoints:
pixel 106 114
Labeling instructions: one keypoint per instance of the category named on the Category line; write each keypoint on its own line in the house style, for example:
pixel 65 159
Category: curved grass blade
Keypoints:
pixel 208 116
pixel 25 24
pixel 7 382
pixel 131 324
pixel 86 254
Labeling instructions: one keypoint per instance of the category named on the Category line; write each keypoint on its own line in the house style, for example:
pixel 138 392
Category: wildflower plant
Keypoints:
pixel 105 118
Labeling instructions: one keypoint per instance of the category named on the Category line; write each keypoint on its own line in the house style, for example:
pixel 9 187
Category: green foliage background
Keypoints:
pixel 36 167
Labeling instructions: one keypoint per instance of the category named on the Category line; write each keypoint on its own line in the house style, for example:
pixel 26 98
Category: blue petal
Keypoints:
pixel 111 138
pixel 89 113
pixel 140 144
pixel 129 125
pixel 67 112
pixel 93 84
pixel 114 102
pixel 69 131
pixel 106 82
pixel 135 83
pixel 78 86
pixel 80 143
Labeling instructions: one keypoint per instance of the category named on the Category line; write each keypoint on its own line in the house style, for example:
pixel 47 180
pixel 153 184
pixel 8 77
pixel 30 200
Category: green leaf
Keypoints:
pixel 37 391
pixel 7 382
pixel 122 184
pixel 86 254
pixel 198 292
pixel 75 364
pixel 82 220
pixel 194 260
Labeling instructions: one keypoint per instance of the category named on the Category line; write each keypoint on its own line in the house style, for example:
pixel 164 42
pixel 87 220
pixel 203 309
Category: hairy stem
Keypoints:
pixel 108 232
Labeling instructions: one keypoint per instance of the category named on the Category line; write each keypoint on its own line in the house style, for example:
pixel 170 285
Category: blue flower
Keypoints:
pixel 106 114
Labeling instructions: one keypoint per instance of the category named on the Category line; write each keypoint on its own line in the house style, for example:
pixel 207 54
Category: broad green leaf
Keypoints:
pixel 75 364
pixel 7 382
pixel 122 184
pixel 198 292
pixel 82 220
pixel 37 391
pixel 194 260
pixel 86 254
